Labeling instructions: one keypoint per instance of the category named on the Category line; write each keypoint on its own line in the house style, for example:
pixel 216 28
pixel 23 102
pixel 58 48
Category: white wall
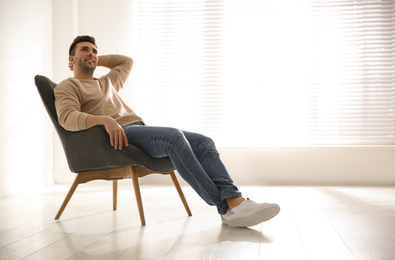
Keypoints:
pixel 25 138
pixel 108 23
pixel 311 166
pixel 35 42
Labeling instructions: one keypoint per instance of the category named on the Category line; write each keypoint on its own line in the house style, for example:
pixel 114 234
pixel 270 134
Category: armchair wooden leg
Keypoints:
pixel 68 196
pixel 136 186
pixel 114 194
pixel 180 193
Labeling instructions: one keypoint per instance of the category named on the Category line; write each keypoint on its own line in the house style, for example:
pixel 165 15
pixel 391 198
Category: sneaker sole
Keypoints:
pixel 259 217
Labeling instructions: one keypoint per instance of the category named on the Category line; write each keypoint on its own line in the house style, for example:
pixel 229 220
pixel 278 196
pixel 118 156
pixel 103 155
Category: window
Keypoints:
pixel 267 72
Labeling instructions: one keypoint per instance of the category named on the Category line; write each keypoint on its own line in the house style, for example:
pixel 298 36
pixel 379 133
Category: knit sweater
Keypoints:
pixel 76 99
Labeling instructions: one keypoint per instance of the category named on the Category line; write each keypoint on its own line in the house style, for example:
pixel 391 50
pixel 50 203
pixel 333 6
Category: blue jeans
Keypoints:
pixel 193 155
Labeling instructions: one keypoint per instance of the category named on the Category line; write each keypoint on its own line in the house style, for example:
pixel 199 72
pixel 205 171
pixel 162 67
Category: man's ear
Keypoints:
pixel 71 62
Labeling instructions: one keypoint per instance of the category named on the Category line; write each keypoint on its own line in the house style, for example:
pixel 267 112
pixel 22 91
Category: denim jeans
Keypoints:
pixel 193 155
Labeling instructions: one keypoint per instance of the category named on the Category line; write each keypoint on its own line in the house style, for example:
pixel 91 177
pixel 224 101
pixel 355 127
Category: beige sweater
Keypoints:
pixel 76 99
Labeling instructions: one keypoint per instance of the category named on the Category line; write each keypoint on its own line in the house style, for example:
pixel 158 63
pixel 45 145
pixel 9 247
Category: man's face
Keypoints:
pixel 85 56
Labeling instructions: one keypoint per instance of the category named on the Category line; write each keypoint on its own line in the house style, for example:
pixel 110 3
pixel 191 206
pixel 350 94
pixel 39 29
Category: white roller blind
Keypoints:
pixel 268 72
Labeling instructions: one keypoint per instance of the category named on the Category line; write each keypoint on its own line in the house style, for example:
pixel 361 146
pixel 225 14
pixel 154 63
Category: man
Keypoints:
pixel 84 101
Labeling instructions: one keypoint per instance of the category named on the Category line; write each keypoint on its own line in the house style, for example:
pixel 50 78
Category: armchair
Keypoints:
pixel 90 155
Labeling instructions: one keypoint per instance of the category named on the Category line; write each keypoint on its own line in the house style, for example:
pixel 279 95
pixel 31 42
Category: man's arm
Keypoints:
pixel 104 61
pixel 120 66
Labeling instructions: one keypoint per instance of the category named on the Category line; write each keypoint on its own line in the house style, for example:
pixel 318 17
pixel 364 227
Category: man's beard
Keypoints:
pixel 82 64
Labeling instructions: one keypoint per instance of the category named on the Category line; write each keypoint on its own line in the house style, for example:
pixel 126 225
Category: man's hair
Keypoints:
pixel 78 39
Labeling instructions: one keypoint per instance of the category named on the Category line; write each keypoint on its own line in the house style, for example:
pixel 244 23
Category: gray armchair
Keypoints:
pixel 90 155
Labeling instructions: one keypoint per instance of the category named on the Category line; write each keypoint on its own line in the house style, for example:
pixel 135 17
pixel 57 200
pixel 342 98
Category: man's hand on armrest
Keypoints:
pixel 118 137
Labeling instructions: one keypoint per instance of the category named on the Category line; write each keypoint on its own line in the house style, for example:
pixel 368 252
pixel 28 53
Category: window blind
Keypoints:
pixel 267 72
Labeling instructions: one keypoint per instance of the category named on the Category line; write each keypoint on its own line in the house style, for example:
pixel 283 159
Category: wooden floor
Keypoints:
pixel 314 223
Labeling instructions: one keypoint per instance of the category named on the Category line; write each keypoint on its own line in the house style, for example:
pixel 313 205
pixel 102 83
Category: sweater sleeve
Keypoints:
pixel 120 69
pixel 68 106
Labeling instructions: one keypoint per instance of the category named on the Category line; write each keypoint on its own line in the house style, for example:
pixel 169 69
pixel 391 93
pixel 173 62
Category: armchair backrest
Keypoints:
pixel 45 88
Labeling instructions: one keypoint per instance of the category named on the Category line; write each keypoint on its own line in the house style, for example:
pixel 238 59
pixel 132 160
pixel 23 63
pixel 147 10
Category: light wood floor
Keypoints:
pixel 314 223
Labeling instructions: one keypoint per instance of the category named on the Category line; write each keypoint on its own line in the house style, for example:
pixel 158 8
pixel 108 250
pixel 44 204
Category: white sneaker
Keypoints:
pixel 250 213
